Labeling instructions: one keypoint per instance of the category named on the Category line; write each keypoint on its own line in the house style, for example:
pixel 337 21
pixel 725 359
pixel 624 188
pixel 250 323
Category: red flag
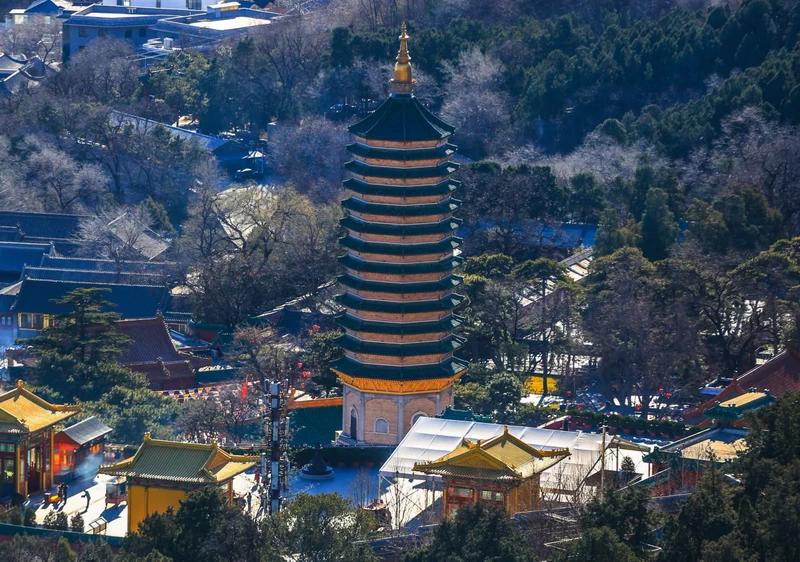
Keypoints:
pixel 244 391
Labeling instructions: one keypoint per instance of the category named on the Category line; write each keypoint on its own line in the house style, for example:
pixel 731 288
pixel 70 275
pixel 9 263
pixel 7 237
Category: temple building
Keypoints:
pixel 26 442
pixel 503 471
pixel 162 473
pixel 398 268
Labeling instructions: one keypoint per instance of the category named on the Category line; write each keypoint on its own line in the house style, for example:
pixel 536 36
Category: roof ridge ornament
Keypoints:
pixel 403 83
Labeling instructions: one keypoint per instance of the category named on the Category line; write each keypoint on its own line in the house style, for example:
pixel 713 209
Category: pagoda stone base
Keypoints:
pixel 384 419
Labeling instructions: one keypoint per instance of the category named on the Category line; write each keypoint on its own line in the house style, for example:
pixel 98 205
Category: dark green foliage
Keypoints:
pixel 598 545
pixel 659 230
pixel 56 520
pixel 625 514
pixel 159 215
pixel 320 350
pixel 76 523
pixel 488 265
pixel 475 534
pixel 586 198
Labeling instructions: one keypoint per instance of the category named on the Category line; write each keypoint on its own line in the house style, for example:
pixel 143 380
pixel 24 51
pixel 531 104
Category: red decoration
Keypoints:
pixel 244 392
pixel 661 391
pixel 579 406
pixel 668 395
pixel 569 393
pixel 306 374
pixel 315 328
pixel 302 385
pixel 299 365
pixel 638 406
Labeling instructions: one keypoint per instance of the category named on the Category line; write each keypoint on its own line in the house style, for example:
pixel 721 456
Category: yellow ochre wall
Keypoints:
pixel 144 501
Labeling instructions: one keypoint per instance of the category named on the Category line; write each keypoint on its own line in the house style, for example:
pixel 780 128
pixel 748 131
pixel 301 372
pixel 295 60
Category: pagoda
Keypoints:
pixel 398 268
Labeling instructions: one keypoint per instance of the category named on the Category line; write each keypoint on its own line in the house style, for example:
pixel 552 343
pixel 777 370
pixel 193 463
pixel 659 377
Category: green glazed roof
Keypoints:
pixel 402 118
pixel 311 426
pixel 446 324
pixel 357 225
pixel 356 264
pixel 448 344
pixel 364 169
pixel 449 282
pixel 445 303
pixel 402 154
pixel 445 369
pixel 447 245
pixel 446 206
pixel 442 188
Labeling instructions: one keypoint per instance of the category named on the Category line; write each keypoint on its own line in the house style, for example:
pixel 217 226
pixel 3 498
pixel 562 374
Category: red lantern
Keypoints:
pixel 668 395
pixel 299 365
pixel 638 406
pixel 306 374
pixel 579 406
pixel 310 332
pixel 315 328
pixel 661 391
pixel 569 393
pixel 302 385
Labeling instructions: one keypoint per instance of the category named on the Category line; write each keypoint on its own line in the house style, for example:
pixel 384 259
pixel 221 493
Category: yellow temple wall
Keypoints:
pixel 399 297
pixel 144 501
pixel 398 199
pixel 419 239
pixel 393 219
pixel 393 278
pixel 396 338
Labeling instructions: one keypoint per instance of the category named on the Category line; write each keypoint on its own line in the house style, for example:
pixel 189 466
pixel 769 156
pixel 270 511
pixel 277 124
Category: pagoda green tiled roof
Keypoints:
pixel 448 344
pixel 445 324
pixel 445 303
pixel 449 282
pixel 353 223
pixel 446 369
pixel 364 169
pixel 442 188
pixel 356 264
pixel 446 206
pixel 402 118
pixel 401 154
pixel 447 245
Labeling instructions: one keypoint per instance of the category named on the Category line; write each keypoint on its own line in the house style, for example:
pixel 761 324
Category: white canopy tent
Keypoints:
pixel 432 438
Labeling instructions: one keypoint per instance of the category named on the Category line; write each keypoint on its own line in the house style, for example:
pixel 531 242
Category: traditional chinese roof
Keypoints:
pixel 181 463
pixel 449 282
pixel 312 426
pixel 735 408
pixel 403 155
pixel 779 375
pixel 443 227
pixel 44 226
pixel 15 255
pixel 446 369
pixel 402 118
pixel 126 266
pixel 504 458
pixel 132 301
pixel 356 264
pixel 445 324
pixel 150 340
pixel 447 245
pixel 21 411
pixel 90 276
pixel 84 431
pixel 443 187
pixel 722 444
pixel 364 169
pixel 444 345
pixel 446 303
pixel 695 415
pixel 442 207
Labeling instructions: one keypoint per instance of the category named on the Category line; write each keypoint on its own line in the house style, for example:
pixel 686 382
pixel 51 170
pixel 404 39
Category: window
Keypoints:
pixel 6 447
pixel 26 321
pixel 47 20
pixel 3 321
pixel 381 426
pixel 194 4
pixel 128 33
pixel 460 492
pixel 416 417
pixel 101 32
pixel 142 32
pixel 158 3
pixel 8 470
pixel 486 495
pixel 83 32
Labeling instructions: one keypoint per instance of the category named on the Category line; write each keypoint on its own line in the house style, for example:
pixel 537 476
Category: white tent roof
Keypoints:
pixel 432 438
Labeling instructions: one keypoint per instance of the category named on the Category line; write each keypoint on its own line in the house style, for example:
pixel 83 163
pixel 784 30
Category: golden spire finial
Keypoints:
pixel 402 82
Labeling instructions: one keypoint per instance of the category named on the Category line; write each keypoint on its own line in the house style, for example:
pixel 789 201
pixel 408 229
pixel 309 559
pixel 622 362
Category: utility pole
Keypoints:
pixel 277 435
pixel 603 466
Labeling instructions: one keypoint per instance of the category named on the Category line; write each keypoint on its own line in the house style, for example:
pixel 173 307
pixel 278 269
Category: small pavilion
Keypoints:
pixel 502 471
pixel 27 425
pixel 162 473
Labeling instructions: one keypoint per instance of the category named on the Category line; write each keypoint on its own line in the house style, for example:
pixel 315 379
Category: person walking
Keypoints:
pixel 88 500
pixel 66 491
pixel 249 503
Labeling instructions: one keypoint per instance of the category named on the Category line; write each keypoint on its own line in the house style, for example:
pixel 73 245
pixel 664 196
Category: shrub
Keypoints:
pixel 76 523
pixel 29 519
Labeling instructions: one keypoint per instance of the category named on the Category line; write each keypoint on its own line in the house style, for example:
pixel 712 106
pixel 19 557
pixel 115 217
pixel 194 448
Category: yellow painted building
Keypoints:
pixel 162 473
pixel 502 471
pixel 27 425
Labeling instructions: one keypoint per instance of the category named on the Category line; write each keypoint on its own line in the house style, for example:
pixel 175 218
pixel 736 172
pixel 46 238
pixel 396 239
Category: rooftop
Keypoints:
pixel 503 457
pixel 85 431
pixel 132 301
pixel 21 411
pixel 402 118
pixel 170 461
pixel 99 14
pixel 779 375
pixel 49 226
pixel 150 341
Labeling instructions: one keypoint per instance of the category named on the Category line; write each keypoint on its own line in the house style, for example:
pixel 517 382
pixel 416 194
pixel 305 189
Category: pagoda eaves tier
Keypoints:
pixel 398 268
